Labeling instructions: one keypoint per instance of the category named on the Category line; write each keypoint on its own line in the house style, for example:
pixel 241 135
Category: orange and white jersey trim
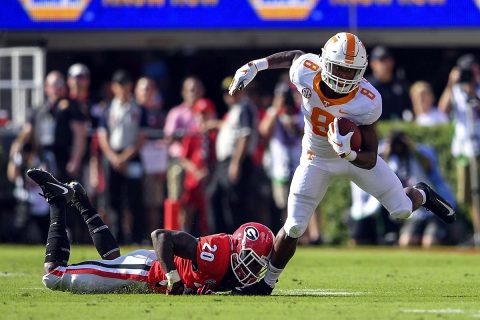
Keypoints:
pixel 363 105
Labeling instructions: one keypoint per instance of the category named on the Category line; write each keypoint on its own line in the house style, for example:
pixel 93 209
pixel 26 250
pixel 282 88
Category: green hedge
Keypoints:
pixel 334 207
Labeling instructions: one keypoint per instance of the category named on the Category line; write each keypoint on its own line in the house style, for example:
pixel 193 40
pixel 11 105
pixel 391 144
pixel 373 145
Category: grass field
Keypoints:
pixel 319 283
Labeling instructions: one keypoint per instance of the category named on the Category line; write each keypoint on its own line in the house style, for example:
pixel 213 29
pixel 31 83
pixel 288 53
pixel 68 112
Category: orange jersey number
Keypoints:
pixel 320 120
pixel 310 65
pixel 367 93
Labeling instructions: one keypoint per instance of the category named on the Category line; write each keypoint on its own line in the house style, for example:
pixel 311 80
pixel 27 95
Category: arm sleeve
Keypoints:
pixel 302 76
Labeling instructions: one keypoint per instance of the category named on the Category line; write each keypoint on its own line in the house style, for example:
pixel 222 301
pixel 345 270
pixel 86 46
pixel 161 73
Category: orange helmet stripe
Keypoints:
pixel 350 52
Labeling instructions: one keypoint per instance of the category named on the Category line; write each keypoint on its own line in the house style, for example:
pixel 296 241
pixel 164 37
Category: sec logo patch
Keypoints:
pixel 307 93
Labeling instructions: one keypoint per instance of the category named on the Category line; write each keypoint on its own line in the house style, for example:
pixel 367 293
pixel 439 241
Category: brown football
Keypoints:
pixel 345 126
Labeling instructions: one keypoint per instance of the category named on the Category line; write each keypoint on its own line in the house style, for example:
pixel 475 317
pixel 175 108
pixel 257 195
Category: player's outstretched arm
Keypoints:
pixel 167 245
pixel 247 72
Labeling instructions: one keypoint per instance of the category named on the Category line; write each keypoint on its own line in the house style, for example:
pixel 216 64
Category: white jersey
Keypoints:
pixel 363 106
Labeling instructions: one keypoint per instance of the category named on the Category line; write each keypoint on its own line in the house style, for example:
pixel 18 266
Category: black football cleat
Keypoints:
pixel 436 204
pixel 260 288
pixel 80 198
pixel 51 187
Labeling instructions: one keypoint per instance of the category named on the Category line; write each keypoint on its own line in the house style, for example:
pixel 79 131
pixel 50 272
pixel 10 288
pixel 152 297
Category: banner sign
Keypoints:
pixel 236 14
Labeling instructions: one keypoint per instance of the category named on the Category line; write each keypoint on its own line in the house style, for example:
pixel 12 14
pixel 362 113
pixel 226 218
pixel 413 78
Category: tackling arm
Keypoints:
pixel 168 244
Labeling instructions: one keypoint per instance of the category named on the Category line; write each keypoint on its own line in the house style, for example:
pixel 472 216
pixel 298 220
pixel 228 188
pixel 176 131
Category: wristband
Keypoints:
pixel 260 64
pixel 172 277
pixel 351 156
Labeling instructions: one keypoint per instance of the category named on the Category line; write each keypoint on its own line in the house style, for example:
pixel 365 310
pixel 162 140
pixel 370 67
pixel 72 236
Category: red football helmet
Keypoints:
pixel 252 246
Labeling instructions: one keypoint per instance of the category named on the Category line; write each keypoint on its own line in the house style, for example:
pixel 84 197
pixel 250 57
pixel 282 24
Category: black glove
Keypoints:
pixel 260 288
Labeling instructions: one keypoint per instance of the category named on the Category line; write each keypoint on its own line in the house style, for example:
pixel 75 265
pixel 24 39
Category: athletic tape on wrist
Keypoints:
pixel 351 156
pixel 261 64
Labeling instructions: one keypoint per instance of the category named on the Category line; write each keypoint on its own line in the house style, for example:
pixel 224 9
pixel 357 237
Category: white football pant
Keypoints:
pixel 314 174
pixel 128 273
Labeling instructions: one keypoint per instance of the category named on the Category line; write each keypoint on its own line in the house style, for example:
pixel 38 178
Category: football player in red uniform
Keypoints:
pixel 179 263
pixel 332 86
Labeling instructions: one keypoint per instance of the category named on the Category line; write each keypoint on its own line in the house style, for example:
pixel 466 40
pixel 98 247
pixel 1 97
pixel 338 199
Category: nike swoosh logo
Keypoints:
pixel 65 190
pixel 451 212
pixel 338 144
pixel 342 111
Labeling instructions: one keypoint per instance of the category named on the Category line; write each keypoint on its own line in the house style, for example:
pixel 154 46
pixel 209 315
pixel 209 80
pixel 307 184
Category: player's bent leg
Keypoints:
pixel 102 237
pixel 128 273
pixel 382 183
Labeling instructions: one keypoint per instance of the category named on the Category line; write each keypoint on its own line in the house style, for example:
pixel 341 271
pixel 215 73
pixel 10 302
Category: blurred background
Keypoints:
pixel 67 65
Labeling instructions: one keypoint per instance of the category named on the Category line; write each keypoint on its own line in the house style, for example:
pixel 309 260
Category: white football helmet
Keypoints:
pixel 344 50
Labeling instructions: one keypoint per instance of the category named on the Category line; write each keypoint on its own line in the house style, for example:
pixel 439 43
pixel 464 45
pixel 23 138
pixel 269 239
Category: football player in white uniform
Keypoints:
pixel 332 86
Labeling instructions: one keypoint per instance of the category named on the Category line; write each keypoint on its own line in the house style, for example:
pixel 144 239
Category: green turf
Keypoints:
pixel 319 283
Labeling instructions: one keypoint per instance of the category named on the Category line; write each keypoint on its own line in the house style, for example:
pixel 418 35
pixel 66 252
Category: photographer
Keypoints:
pixel 411 163
pixel 462 98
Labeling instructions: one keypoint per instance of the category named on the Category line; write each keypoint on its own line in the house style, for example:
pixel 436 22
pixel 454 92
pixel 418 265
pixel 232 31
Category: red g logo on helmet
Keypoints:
pixel 252 245
pixel 251 233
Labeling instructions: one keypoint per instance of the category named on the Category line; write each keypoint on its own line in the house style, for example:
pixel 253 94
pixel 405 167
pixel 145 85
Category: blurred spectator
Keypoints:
pixel 394 91
pixel 154 149
pixel 368 222
pixel 58 129
pixel 282 127
pixel 412 164
pixel 198 160
pixel 426 114
pixel 31 209
pixel 97 163
pixel 78 85
pixel 462 96
pixel 180 121
pixel 121 136
pixel 229 193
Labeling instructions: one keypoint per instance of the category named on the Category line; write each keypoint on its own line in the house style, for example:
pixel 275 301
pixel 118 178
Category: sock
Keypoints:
pixel 271 277
pixel 102 238
pixel 58 245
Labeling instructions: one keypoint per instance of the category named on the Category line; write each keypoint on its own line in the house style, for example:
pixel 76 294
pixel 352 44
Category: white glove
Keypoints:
pixel 341 144
pixel 245 75
pixel 172 278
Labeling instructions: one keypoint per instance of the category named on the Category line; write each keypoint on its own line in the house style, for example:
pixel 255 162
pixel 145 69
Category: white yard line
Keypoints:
pixel 457 311
pixel 12 274
pixel 314 292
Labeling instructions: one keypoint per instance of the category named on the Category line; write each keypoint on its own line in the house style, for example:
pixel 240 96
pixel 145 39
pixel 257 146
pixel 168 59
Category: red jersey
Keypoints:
pixel 213 261
pixel 199 148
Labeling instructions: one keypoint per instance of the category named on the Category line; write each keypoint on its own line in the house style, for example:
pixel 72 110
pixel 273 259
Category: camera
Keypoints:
pixel 465 65
pixel 284 90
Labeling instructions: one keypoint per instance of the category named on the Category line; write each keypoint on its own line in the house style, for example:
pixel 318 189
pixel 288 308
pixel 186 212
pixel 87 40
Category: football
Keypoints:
pixel 345 126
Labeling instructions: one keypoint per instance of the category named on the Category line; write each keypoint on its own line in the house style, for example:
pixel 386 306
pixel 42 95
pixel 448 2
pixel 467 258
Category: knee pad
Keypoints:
pixel 294 229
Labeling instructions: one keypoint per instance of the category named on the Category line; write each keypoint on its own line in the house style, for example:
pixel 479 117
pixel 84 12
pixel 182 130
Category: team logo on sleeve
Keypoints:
pixel 251 233
pixel 307 93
